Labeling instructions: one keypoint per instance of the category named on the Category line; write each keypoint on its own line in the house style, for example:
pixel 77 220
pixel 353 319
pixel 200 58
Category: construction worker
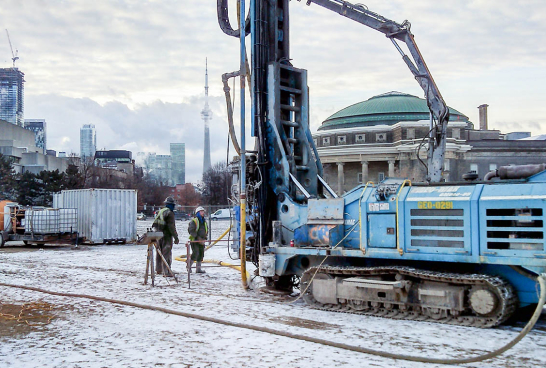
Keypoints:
pixel 164 222
pixel 199 231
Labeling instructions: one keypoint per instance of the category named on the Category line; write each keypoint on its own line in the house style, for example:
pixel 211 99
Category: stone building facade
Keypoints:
pixel 386 136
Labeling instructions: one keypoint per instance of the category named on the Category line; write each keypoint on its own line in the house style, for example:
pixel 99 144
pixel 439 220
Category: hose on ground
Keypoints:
pixel 219 263
pixel 521 335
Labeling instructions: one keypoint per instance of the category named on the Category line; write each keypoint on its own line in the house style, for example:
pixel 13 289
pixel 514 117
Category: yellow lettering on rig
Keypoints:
pixel 438 205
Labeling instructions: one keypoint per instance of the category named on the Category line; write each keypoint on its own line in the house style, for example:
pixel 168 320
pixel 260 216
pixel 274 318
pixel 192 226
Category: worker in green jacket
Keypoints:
pixel 164 222
pixel 199 231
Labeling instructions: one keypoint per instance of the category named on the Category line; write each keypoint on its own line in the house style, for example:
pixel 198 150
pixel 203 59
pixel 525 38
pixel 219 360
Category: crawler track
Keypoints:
pixel 506 305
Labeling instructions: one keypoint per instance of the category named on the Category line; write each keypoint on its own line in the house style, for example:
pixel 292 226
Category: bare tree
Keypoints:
pixel 216 184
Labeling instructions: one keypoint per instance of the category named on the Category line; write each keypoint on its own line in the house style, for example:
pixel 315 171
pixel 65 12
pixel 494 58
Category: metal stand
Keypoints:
pixel 188 263
pixel 152 237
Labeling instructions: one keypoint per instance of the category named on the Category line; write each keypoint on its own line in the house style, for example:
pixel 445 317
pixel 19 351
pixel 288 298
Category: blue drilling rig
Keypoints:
pixel 465 253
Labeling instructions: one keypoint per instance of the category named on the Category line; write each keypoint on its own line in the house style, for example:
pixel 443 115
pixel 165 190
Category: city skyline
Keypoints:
pixel 134 69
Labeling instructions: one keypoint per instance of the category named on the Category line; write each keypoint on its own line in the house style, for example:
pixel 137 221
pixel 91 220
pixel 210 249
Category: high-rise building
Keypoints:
pixel 88 141
pixel 12 96
pixel 206 114
pixel 178 158
pixel 38 126
pixel 163 169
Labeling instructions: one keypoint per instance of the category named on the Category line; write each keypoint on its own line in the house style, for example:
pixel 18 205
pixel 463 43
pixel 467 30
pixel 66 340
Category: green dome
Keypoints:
pixel 385 109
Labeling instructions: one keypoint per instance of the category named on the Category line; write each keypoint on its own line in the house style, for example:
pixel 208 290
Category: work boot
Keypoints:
pixel 191 263
pixel 198 268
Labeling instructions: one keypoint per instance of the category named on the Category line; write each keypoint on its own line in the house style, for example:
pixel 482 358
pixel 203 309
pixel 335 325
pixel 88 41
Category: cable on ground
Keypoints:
pixel 358 349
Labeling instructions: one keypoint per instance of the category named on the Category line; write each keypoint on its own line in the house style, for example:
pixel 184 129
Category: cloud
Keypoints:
pixel 136 68
pixel 147 127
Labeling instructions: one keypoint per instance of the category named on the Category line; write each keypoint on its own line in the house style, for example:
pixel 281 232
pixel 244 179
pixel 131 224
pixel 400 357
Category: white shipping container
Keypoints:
pixel 42 220
pixel 103 214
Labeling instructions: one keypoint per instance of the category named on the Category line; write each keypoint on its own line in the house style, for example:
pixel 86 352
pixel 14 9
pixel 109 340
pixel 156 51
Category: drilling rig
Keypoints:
pixel 464 253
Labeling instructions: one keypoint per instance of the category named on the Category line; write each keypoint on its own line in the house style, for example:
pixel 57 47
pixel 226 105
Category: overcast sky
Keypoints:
pixel 135 68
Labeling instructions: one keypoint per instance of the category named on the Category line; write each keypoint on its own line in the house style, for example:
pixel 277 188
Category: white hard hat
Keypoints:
pixel 199 209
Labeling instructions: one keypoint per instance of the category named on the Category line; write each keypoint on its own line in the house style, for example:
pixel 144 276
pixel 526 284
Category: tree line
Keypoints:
pixel 31 189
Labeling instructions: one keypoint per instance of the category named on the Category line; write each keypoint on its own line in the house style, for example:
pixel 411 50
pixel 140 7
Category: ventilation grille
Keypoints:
pixel 437 228
pixel 515 228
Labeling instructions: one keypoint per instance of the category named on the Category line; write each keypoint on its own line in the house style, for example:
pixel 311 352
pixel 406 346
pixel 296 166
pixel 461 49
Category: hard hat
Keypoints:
pixel 169 200
pixel 199 209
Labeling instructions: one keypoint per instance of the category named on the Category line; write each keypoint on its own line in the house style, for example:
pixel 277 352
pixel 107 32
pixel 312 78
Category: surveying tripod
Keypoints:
pixel 152 237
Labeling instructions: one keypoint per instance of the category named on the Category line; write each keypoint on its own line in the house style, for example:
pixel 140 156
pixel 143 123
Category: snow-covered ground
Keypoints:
pixel 86 333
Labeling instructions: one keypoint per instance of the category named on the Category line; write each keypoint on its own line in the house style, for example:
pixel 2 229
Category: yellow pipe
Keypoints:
pixel 242 248
pixel 217 240
pixel 219 263
pixel 397 224
pixel 362 248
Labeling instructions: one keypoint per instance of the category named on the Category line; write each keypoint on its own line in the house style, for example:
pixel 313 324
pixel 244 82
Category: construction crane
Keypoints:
pixel 14 56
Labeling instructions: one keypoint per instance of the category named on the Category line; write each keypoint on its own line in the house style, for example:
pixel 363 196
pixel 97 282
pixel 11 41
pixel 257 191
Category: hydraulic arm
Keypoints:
pixel 287 161
pixel 401 32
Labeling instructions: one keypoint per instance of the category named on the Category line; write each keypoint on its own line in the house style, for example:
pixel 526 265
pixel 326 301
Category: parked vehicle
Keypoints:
pixel 179 215
pixel 223 214
pixel 141 216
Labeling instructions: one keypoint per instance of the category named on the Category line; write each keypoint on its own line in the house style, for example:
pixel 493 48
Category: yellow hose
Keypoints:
pixel 219 263
pixel 242 247
pixel 217 240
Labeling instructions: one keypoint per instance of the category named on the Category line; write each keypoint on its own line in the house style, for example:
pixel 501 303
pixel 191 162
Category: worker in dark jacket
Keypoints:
pixel 199 232
pixel 164 222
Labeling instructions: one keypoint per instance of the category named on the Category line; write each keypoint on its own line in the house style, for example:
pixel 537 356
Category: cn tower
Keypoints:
pixel 206 114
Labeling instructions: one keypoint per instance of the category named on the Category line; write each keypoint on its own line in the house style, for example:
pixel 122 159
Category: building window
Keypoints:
pixel 360 138
pixel 359 178
pixel 326 141
pixel 342 139
pixel 474 167
pixel 315 141
pixel 446 165
pixel 381 137
pixel 456 133
pixel 492 167
pixel 380 177
pixel 410 133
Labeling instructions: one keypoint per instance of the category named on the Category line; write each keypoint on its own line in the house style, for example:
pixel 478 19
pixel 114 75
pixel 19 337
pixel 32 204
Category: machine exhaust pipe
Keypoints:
pixel 515 172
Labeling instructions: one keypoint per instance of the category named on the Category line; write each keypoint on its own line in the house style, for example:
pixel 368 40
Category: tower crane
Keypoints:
pixel 14 56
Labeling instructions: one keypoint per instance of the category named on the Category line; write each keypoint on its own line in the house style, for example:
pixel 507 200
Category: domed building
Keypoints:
pixel 385 109
pixel 386 136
